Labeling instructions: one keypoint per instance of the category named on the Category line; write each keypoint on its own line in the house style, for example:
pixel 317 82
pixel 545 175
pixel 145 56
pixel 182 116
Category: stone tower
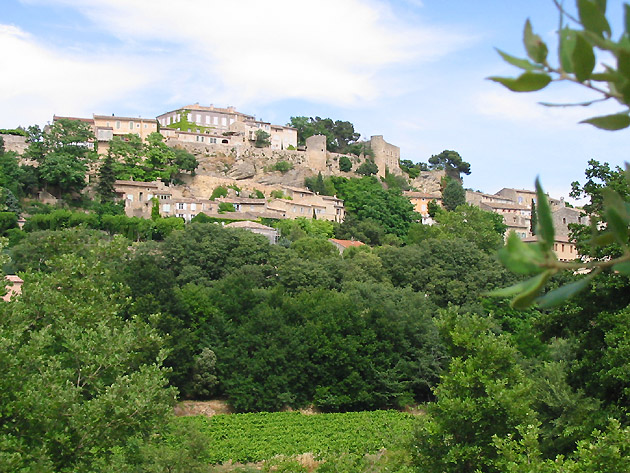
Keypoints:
pixel 316 152
pixel 385 155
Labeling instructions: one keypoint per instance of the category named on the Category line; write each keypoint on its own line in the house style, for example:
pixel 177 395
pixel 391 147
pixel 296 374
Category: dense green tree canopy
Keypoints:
pixel 63 153
pixel 366 199
pixel 451 162
pixel 453 195
pixel 339 134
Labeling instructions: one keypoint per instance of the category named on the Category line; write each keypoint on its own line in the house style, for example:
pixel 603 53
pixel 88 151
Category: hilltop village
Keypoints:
pixel 262 169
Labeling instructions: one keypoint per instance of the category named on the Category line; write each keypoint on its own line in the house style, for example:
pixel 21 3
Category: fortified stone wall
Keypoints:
pixel 15 143
pixel 386 155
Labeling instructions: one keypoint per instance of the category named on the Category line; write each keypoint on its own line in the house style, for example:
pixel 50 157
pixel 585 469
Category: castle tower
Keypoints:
pixel 386 156
pixel 316 152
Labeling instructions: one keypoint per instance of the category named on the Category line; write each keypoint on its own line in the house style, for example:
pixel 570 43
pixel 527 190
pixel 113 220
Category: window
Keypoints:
pixel 130 197
pixel 213 140
pixel 198 119
pixel 193 206
pixel 166 208
pixel 131 125
pixel 216 120
pixel 563 247
pixel 231 121
pixel 564 221
pixel 117 125
pixel 181 206
pixel 224 121
pixel 146 126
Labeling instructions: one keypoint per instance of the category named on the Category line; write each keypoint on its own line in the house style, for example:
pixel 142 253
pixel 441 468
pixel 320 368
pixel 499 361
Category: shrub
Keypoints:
pixel 226 207
pixel 219 191
pixel 345 164
pixel 368 168
pixel 282 166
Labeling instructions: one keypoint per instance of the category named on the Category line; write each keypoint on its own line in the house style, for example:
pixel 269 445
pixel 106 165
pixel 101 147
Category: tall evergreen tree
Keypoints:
pixel 106 179
pixel 453 195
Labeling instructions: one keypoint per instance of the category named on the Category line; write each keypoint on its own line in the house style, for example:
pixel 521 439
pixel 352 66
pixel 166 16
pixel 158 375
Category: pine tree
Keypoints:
pixel 106 180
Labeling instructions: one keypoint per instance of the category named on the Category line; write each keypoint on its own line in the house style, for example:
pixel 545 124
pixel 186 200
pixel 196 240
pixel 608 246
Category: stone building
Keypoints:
pixel 564 216
pixel 316 154
pixel 420 202
pixel 386 155
pixel 343 245
pixel 212 125
pixel 270 233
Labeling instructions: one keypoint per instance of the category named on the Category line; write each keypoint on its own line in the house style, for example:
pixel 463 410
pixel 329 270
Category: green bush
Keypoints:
pixel 219 191
pixel 345 164
pixel 282 166
pixel 368 168
pixel 8 220
pixel 226 207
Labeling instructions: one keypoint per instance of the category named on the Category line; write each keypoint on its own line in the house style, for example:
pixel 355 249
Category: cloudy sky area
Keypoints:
pixel 411 70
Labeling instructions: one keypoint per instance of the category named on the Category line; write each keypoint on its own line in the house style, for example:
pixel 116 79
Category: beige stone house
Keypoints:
pixel 563 247
pixel 214 125
pixel 343 245
pixel 270 233
pixel 420 201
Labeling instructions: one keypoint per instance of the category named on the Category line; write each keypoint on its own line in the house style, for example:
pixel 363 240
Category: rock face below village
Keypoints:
pixel 253 168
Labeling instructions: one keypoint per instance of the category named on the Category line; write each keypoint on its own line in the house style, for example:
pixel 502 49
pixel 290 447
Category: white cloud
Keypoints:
pixel 38 81
pixel 334 51
pixel 525 108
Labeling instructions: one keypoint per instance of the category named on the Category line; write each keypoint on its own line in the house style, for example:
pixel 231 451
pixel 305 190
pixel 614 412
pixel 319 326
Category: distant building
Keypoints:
pixel 13 286
pixel 270 233
pixel 214 125
pixel 343 245
pixel 563 247
pixel 420 201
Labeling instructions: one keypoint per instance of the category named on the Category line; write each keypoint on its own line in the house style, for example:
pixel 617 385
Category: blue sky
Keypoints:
pixel 411 70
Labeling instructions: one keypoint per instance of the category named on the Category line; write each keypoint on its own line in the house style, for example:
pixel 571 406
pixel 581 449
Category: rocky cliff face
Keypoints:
pixel 252 168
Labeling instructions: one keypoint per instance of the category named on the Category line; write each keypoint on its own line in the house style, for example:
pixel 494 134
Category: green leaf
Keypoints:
pixel 526 82
pixel 622 81
pixel 561 294
pixel 566 47
pixel 602 5
pixel 593 18
pixel 520 257
pixel 610 122
pixel 583 59
pixel 533 287
pixel 604 76
pixel 520 63
pixel 545 231
pixel 603 239
pixel 518 288
pixel 616 215
pixel 623 267
pixel 534 45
